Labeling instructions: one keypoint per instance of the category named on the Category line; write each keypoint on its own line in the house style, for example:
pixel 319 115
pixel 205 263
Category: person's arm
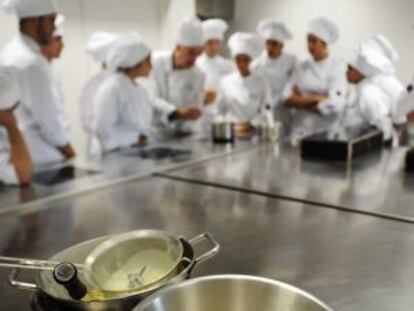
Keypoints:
pixel 309 101
pixel 19 154
pixel 45 111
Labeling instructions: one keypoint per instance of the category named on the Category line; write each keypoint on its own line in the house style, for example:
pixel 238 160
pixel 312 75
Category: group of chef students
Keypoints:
pixel 139 96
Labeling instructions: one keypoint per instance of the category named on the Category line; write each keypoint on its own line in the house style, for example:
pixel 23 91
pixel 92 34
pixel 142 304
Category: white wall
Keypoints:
pixel 154 19
pixel 357 20
pixel 173 11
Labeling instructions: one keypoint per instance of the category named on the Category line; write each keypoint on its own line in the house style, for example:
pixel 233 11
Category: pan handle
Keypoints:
pixel 12 280
pixel 215 247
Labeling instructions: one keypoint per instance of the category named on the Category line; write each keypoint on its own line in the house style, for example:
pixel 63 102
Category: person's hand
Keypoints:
pixel 243 128
pixel 7 119
pixel 209 97
pixel 186 113
pixel 68 151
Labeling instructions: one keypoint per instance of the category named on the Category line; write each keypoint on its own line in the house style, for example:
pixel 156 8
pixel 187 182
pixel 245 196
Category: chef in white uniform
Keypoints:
pixel 387 80
pixel 178 83
pixel 277 65
pixel 211 63
pixel 15 161
pixel 122 110
pixel 244 95
pixel 98 46
pixel 371 105
pixel 52 51
pixel 38 113
pixel 317 91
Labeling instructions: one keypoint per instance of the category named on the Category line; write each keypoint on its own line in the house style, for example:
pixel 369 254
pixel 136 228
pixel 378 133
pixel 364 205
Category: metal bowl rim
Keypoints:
pixel 228 277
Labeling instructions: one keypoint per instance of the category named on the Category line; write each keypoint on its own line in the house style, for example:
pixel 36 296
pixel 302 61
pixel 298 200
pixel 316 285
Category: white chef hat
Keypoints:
pixel 382 43
pixel 214 29
pixel 190 32
pixel 9 90
pixel 272 30
pixel 370 61
pixel 59 26
pixel 324 29
pixel 99 45
pixel 245 43
pixel 128 51
pixel 30 8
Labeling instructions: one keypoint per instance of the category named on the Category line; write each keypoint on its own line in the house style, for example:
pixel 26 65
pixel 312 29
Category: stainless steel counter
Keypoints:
pixel 118 167
pixel 374 184
pixel 350 261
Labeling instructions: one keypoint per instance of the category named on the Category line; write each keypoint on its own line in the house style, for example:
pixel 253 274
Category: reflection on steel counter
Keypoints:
pixel 158 153
pixel 60 175
pixel 320 147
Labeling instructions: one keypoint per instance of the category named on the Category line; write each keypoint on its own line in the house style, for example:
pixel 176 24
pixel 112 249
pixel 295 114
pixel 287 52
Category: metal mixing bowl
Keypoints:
pixel 231 293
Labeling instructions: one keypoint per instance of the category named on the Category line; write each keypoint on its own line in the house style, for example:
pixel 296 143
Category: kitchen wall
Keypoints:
pixel 154 19
pixel 356 19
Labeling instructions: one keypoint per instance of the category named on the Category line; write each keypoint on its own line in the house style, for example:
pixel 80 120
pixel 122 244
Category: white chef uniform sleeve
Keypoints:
pixel 290 83
pixel 265 103
pixel 162 108
pixel 374 108
pixel 335 103
pixel 404 105
pixel 199 88
pixel 8 173
pixel 44 108
pixel 106 107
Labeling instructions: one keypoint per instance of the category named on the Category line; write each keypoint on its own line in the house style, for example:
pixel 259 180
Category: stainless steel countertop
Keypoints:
pixel 374 184
pixel 116 167
pixel 350 261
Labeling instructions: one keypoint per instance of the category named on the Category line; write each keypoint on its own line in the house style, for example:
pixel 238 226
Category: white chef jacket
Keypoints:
pixel 327 77
pixel 122 112
pixel 39 115
pixel 87 98
pixel 86 109
pixel 405 104
pixel 278 72
pixel 176 88
pixel 395 91
pixel 244 98
pixel 371 107
pixel 214 69
pixel 8 173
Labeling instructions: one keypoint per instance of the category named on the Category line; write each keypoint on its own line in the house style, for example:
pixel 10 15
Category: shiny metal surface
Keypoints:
pixel 223 132
pixel 232 292
pixel 373 184
pixel 269 132
pixel 118 167
pixel 349 261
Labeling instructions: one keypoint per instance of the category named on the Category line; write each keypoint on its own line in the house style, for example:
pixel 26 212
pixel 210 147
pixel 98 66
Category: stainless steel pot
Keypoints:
pixel 78 254
pixel 231 293
pixel 223 133
pixel 269 132
pixel 133 261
